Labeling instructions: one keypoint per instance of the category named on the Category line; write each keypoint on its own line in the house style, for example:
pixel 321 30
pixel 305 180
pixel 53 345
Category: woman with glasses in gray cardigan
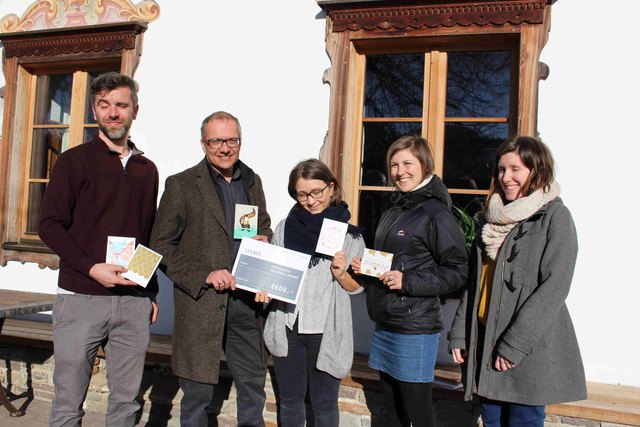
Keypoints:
pixel 312 342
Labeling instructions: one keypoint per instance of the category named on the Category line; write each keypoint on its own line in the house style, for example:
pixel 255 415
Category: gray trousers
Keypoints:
pixel 80 324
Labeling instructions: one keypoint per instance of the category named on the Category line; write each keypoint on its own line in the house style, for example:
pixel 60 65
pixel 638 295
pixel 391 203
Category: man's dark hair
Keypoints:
pixel 109 81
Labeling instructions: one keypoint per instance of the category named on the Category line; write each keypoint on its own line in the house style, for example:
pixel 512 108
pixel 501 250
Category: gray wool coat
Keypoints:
pixel 190 232
pixel 528 321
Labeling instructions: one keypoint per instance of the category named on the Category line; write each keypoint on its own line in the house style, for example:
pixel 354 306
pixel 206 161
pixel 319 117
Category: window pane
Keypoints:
pixel 394 85
pixel 470 203
pixel 89 133
pixel 377 137
pixel 53 99
pixel 36 192
pixel 469 151
pixel 372 205
pixel 47 146
pixel 478 84
pixel 89 119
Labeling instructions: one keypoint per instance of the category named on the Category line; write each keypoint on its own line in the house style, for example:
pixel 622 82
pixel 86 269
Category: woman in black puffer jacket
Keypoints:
pixel 429 260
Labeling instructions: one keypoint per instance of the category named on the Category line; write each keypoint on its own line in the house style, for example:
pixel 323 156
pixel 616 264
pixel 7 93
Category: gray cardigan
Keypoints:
pixel 528 321
pixel 323 307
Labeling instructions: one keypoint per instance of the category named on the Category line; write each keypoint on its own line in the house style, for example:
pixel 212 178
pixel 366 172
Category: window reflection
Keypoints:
pixel 53 99
pixel 469 153
pixel 478 84
pixel 372 206
pixel 47 145
pixel 36 193
pixel 377 137
pixel 394 85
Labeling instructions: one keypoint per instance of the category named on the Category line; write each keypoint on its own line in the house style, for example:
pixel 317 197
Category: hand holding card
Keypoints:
pixel 375 263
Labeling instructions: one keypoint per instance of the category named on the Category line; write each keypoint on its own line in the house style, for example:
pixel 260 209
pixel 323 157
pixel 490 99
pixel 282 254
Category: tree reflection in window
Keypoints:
pixel 394 85
pixel 476 120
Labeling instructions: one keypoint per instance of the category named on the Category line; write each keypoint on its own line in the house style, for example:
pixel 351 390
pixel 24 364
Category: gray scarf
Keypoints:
pixel 502 218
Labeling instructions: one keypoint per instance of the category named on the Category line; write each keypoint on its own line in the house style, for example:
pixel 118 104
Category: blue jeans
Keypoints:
pixel 507 414
pixel 294 372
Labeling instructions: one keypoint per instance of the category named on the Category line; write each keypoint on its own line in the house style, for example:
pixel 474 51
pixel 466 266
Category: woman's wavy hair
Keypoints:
pixel 314 169
pixel 535 155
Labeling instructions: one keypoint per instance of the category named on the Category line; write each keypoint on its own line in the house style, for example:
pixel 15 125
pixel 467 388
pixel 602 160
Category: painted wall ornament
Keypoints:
pixel 49 14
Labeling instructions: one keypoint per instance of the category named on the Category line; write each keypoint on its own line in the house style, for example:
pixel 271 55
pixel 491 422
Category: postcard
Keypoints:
pixel 375 263
pixel 332 236
pixel 245 223
pixel 279 271
pixel 120 250
pixel 142 265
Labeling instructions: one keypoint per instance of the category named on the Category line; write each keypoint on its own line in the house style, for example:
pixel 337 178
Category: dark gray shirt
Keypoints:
pixel 231 193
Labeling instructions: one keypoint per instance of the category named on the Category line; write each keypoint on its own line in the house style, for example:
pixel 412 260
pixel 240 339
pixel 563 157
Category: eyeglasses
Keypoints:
pixel 216 143
pixel 302 197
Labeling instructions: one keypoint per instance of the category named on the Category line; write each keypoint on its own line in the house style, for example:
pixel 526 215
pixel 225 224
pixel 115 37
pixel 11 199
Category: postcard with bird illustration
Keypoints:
pixel 245 222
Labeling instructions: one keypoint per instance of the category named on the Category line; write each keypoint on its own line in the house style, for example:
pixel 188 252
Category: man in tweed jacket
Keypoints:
pixel 194 233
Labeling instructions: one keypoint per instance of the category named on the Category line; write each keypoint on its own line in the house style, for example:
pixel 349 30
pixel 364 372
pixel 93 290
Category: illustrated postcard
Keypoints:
pixel 375 263
pixel 245 223
pixel 332 236
pixel 142 265
pixel 120 250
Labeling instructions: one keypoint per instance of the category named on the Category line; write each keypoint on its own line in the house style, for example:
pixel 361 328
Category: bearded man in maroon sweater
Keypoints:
pixel 104 187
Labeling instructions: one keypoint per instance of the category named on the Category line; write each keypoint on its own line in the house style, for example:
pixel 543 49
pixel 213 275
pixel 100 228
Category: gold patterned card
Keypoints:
pixel 375 263
pixel 142 265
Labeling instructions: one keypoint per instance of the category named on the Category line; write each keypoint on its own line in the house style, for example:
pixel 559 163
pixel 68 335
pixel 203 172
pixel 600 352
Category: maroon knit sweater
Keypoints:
pixel 91 196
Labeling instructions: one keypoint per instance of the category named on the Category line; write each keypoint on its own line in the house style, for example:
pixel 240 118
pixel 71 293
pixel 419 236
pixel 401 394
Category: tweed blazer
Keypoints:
pixel 190 232
pixel 528 321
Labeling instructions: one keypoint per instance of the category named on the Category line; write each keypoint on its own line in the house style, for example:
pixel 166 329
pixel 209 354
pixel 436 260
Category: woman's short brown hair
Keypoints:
pixel 314 169
pixel 535 155
pixel 419 147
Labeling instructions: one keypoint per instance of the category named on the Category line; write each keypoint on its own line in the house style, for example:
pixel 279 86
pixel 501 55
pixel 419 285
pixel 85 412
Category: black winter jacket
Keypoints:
pixel 429 249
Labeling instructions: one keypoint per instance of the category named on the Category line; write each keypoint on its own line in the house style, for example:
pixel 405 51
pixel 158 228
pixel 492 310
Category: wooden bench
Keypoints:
pixel 606 402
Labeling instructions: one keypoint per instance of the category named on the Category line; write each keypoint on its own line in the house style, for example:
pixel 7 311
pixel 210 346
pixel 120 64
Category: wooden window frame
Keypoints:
pixel 357 28
pixel 27 54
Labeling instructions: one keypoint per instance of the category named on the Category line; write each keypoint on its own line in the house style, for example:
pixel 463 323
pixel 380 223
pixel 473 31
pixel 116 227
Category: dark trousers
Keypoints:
pixel 294 373
pixel 243 349
pixel 406 404
pixel 244 353
pixel 506 414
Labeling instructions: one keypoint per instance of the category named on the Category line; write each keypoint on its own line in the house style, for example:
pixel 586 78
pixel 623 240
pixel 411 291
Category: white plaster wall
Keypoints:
pixel 272 81
pixel 588 107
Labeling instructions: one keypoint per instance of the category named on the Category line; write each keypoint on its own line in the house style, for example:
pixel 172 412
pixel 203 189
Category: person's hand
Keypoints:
pixel 459 355
pixel 108 275
pixel 154 311
pixel 393 280
pixel 221 280
pixel 503 364
pixel 356 262
pixel 261 238
pixel 338 265
pixel 263 297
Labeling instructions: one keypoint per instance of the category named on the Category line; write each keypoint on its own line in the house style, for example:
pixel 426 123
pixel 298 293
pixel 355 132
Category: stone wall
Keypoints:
pixel 23 369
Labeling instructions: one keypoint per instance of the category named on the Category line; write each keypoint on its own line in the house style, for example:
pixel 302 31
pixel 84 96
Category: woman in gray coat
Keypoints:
pixel 512 330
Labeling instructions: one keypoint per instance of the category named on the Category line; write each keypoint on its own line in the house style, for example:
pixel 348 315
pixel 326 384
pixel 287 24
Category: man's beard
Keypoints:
pixel 114 133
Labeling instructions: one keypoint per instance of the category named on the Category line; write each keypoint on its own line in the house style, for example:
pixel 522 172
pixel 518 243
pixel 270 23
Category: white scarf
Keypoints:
pixel 502 218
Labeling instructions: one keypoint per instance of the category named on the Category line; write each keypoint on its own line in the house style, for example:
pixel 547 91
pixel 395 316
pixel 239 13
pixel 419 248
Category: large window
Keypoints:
pixel 60 118
pixel 460 101
pixel 463 77
pixel 47 110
